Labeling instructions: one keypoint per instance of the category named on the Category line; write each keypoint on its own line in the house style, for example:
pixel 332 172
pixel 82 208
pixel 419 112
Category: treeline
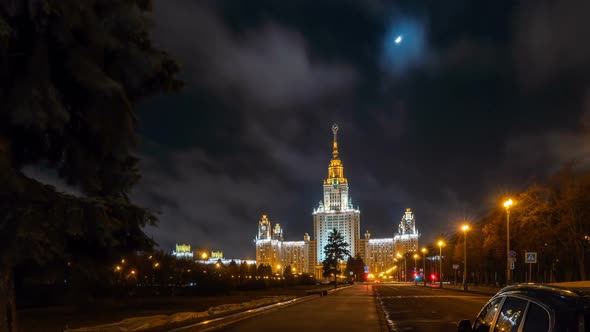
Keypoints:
pixel 144 274
pixel 551 218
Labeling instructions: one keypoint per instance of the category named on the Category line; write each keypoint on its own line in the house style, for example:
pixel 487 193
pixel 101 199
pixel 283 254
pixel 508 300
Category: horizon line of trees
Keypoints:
pixel 144 274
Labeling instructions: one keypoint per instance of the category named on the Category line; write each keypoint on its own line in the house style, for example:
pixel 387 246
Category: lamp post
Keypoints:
pixel 465 228
pixel 405 269
pixel 507 205
pixel 424 265
pixel 440 245
pixel 402 273
pixel 415 270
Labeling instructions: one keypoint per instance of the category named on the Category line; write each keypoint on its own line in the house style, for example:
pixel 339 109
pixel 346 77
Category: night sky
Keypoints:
pixel 478 100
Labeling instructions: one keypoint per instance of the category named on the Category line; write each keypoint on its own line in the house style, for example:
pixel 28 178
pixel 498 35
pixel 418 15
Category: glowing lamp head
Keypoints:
pixel 204 255
pixel 415 255
pixel 399 39
pixel 440 243
pixel 465 228
pixel 508 203
pixel 423 250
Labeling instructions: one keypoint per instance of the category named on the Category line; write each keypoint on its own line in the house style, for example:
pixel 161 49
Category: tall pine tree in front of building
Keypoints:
pixel 335 251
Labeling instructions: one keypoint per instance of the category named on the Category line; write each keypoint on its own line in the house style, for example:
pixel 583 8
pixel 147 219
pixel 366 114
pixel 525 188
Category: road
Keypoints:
pixel 352 309
pixel 422 309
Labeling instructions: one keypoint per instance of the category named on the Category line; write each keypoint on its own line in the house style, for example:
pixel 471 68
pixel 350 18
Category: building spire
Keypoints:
pixel 335 150
pixel 336 169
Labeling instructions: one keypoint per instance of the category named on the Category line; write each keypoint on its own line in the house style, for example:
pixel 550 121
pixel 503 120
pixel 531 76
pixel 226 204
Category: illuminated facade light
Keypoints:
pixel 183 251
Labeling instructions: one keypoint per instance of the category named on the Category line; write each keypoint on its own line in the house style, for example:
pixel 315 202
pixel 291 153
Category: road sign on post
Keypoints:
pixel 512 265
pixel 512 254
pixel 455 266
pixel 530 257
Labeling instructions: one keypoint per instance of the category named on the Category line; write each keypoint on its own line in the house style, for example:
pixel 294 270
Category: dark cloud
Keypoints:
pixel 267 66
pixel 549 41
pixel 496 96
pixel 553 148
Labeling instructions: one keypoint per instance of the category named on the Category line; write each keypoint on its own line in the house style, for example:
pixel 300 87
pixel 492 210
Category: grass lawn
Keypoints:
pixel 54 319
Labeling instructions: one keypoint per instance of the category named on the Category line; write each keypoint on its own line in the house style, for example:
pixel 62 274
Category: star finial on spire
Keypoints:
pixel 335 131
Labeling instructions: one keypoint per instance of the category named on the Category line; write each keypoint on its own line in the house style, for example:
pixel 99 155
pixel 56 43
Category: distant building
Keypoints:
pixel 334 212
pixel 406 238
pixel 269 244
pixel 183 251
pixel 379 254
pixel 217 255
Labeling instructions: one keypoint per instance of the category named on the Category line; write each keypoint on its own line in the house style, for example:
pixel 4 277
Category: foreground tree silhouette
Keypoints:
pixel 335 251
pixel 71 73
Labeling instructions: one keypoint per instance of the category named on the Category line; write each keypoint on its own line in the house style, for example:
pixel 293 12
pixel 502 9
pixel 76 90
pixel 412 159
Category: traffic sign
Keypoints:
pixel 455 266
pixel 512 265
pixel 512 254
pixel 366 269
pixel 530 257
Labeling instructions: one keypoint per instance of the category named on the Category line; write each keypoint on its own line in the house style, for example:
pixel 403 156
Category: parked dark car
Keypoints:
pixel 535 308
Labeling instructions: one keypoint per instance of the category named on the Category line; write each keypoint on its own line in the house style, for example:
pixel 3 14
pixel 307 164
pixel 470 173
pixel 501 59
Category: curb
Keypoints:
pixel 384 321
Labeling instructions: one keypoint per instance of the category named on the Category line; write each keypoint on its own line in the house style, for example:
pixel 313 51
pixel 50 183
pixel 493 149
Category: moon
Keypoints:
pixel 398 39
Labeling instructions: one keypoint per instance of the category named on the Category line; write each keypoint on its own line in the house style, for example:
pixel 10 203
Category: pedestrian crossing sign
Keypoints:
pixel 530 257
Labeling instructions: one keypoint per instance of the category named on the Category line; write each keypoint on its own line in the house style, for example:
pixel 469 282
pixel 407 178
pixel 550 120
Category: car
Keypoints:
pixel 535 308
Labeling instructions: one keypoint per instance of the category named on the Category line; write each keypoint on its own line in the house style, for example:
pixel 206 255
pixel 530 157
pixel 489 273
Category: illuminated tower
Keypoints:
pixel 336 210
pixel 269 243
pixel 406 239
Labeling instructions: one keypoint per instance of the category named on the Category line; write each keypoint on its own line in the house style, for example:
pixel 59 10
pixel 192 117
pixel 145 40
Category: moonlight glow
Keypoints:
pixel 404 44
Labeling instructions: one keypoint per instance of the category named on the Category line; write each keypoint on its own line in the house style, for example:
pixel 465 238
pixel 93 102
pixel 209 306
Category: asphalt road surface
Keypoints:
pixel 351 309
pixel 422 309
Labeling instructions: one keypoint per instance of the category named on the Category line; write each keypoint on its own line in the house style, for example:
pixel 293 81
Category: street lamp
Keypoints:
pixel 465 228
pixel 507 205
pixel 154 267
pixel 440 245
pixel 424 265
